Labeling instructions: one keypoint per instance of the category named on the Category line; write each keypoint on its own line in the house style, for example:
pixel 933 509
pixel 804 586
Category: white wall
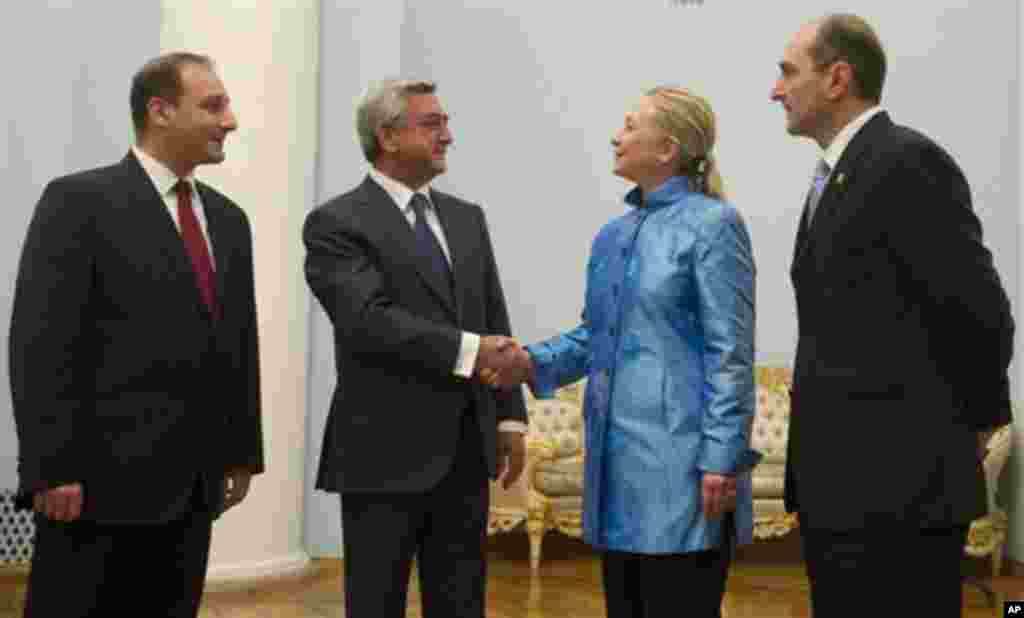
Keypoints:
pixel 65 109
pixel 1011 491
pixel 267 57
pixel 536 90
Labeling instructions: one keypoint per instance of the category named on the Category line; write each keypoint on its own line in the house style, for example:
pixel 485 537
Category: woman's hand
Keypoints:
pixel 718 494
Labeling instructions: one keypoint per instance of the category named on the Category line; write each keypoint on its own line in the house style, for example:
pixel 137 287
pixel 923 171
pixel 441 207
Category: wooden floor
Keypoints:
pixel 761 584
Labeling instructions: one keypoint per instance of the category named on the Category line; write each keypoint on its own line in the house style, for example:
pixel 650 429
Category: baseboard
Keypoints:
pixel 244 575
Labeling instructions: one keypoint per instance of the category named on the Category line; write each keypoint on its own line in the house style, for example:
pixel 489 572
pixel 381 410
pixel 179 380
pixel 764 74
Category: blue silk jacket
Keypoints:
pixel 667 344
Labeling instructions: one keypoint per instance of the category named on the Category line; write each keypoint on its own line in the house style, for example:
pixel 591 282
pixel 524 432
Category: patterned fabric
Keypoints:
pixel 17 531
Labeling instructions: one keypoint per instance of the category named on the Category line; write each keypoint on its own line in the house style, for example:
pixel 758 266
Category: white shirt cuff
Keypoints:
pixel 512 426
pixel 469 348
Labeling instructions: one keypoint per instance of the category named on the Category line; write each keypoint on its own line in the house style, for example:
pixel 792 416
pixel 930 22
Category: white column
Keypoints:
pixel 267 55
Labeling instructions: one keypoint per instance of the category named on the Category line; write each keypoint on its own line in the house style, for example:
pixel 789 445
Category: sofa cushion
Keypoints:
pixel 561 477
pixel 769 480
pixel 560 424
pixel 771 424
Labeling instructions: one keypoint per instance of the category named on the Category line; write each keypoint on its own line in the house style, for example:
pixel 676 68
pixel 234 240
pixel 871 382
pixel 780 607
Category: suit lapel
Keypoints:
pixel 402 233
pixel 800 246
pixel 839 180
pixel 158 229
pixel 455 233
pixel 151 210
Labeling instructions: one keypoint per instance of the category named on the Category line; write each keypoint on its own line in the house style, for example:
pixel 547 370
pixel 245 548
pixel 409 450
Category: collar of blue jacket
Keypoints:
pixel 667 193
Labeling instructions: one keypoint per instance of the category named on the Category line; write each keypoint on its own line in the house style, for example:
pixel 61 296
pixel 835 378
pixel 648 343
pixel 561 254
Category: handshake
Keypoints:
pixel 502 362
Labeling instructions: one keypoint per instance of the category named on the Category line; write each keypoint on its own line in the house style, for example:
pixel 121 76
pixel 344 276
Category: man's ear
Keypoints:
pixel 387 137
pixel 159 112
pixel 841 83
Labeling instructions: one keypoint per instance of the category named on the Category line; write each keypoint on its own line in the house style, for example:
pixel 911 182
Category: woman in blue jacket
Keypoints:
pixel 667 344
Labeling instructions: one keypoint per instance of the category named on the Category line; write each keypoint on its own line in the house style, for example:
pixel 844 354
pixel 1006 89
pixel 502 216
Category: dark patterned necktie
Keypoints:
pixel 429 245
pixel 198 252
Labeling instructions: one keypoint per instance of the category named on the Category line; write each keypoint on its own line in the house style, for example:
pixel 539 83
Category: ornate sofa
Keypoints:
pixel 768 436
pixel 987 535
pixel 549 496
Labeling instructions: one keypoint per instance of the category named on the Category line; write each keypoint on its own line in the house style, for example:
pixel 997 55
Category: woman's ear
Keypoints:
pixel 671 150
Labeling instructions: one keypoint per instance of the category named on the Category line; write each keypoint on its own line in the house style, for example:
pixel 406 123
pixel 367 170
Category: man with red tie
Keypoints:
pixel 134 361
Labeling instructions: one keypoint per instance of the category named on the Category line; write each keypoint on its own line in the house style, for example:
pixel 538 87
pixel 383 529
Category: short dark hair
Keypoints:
pixel 851 39
pixel 160 77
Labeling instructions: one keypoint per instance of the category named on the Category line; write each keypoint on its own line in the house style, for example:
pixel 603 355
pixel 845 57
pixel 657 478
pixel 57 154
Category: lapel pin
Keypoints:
pixel 840 179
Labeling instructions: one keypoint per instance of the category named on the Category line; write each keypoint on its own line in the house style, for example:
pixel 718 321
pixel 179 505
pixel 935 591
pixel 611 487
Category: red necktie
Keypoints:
pixel 195 244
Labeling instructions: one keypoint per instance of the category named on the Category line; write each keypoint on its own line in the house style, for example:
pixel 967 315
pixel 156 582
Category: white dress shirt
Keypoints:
pixel 165 180
pixel 469 343
pixel 842 139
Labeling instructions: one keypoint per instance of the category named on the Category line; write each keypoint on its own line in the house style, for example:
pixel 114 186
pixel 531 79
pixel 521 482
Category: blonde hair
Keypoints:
pixel 384 105
pixel 689 120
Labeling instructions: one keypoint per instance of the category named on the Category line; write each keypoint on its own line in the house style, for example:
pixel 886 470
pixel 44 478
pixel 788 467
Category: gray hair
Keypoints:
pixel 384 105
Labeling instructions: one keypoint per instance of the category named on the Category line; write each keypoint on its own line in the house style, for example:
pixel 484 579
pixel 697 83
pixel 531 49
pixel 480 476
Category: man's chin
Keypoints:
pixel 794 129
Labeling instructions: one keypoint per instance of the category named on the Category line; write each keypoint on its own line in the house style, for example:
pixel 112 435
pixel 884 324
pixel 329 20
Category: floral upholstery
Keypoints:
pixel 768 436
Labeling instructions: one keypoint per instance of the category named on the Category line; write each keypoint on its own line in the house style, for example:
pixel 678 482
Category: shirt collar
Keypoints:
pixel 835 150
pixel 400 194
pixel 161 176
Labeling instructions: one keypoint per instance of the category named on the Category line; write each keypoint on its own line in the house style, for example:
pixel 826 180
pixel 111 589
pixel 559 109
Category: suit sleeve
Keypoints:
pixel 344 277
pixel 724 275
pixel 510 405
pixel 954 273
pixel 48 343
pixel 246 419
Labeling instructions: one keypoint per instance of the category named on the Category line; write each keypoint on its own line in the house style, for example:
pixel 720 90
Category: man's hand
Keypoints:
pixel 503 363
pixel 236 487
pixel 511 457
pixel 718 494
pixel 62 503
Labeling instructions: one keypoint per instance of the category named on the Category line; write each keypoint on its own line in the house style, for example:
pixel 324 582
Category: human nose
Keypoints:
pixel 776 91
pixel 229 122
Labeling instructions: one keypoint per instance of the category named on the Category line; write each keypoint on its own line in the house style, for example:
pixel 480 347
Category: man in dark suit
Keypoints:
pixel 408 278
pixel 134 361
pixel 905 335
